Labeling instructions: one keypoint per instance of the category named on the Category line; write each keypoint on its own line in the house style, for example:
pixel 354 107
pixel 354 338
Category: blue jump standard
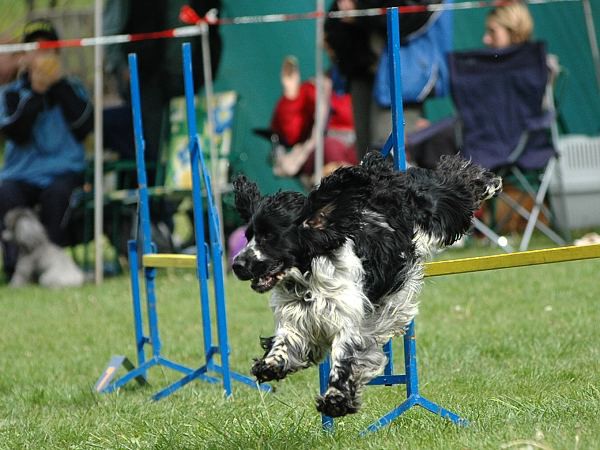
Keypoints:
pixel 212 252
pixel 410 378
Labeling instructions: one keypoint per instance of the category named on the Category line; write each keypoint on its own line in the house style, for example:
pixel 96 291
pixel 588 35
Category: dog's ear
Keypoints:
pixel 247 196
pixel 333 205
pixel 319 219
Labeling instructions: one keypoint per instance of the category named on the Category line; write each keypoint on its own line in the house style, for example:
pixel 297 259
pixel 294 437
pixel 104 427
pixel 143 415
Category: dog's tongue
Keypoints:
pixel 263 284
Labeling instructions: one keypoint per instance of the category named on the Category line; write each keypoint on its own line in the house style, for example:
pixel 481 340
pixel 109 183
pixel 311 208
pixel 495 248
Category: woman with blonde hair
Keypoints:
pixel 507 25
pixel 512 24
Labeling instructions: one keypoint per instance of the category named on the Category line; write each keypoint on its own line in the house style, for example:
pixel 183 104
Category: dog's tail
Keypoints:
pixel 446 199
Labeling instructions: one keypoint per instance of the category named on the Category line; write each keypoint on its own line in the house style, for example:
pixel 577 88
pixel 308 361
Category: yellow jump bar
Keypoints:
pixel 438 268
pixel 508 260
pixel 169 260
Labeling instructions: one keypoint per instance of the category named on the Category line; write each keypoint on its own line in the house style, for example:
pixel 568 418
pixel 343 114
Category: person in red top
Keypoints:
pixel 293 117
pixel 293 121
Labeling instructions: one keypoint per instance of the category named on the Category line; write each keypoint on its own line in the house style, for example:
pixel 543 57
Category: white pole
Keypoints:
pixel 208 88
pixel 98 147
pixel 591 31
pixel 218 184
pixel 319 104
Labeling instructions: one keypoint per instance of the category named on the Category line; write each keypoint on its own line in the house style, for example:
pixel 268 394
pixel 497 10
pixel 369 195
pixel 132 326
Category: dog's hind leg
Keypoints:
pixel 355 360
pixel 285 353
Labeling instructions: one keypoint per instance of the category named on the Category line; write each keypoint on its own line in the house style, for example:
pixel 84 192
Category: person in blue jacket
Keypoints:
pixel 44 117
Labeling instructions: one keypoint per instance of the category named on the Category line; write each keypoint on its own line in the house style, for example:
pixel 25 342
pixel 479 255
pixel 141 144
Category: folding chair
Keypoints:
pixel 507 123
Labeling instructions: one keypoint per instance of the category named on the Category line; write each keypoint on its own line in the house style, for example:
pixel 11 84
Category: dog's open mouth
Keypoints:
pixel 266 282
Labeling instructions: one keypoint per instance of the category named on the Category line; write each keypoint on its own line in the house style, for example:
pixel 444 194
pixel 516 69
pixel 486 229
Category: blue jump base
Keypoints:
pixel 410 378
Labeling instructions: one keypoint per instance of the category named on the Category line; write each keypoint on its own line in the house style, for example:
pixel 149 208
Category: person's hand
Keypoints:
pixel 290 78
pixel 44 71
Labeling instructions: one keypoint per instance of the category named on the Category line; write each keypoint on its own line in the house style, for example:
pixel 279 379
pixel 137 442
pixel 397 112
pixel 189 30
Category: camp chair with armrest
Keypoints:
pixel 507 123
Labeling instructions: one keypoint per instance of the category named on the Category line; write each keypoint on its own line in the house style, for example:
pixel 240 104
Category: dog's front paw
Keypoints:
pixel 336 403
pixel 269 369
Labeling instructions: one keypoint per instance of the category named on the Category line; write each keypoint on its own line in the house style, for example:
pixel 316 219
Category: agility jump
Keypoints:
pixel 212 253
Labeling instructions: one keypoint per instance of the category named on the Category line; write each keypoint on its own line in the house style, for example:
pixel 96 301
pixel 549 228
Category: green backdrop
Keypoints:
pixel 253 53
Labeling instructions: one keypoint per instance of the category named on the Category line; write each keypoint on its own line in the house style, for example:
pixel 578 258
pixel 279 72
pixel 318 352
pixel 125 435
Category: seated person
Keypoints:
pixel 511 25
pixel 293 122
pixel 44 117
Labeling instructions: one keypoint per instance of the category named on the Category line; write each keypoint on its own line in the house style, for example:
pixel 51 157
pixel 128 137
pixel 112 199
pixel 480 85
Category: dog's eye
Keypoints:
pixel 267 237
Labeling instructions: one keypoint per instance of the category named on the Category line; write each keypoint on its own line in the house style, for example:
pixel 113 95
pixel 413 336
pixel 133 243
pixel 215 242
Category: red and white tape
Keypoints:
pixel 197 24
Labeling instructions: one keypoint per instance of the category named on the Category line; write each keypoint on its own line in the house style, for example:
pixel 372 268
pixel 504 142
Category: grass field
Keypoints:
pixel 515 351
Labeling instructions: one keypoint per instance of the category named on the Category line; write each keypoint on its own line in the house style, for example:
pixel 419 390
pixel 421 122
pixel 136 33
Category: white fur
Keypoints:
pixel 252 249
pixel 39 259
pixel 321 304
pixel 375 218
pixel 328 309
pixel 426 244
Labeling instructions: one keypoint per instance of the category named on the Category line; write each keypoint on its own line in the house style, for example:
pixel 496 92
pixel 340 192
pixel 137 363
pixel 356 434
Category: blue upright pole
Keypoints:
pixel 393 26
pixel 140 339
pixel 196 157
pixel 397 135
pixel 139 373
pixel 218 281
pixel 324 369
pixel 149 272
pixel 198 206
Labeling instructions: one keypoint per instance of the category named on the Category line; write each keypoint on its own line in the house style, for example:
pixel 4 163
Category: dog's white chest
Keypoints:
pixel 325 301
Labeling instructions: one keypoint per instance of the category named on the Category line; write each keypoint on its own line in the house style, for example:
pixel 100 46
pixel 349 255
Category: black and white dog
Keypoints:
pixel 345 263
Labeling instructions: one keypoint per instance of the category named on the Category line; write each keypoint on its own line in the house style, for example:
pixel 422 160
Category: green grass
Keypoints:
pixel 514 351
pixel 13 13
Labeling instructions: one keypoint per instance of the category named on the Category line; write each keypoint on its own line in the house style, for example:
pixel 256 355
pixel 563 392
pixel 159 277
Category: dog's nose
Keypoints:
pixel 240 269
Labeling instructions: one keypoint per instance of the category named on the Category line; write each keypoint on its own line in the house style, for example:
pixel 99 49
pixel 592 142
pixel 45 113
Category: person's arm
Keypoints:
pixel 18 112
pixel 75 105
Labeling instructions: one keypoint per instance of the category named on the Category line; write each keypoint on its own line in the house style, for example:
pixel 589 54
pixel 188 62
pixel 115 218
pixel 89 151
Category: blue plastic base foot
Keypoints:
pixel 104 385
pixel 414 400
pixel 111 370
